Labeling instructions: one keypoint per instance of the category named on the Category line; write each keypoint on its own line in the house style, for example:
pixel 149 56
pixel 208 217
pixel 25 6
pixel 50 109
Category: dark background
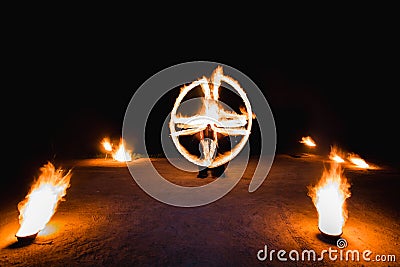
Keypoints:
pixel 68 85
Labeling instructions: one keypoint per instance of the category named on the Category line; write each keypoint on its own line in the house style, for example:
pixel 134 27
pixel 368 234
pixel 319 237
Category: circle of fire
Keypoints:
pixel 221 121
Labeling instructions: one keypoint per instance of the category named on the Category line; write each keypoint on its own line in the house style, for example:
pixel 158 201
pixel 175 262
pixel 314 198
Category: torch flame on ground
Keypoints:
pixel 336 155
pixel 358 161
pixel 308 141
pixel 329 196
pixel 122 154
pixel 106 144
pixel 40 204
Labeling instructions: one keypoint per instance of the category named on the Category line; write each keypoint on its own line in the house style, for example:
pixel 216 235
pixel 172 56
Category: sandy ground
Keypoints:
pixel 107 220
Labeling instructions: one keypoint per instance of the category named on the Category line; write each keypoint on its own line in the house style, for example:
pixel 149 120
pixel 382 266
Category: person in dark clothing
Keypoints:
pixel 208 135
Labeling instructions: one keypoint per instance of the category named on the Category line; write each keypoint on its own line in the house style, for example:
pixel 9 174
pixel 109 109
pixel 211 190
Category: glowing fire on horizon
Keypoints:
pixel 358 161
pixel 40 204
pixel 336 155
pixel 107 144
pixel 355 160
pixel 121 153
pixel 308 141
pixel 221 121
pixel 329 196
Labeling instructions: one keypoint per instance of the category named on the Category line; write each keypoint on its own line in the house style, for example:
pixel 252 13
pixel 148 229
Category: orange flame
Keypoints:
pixel 212 113
pixel 336 155
pixel 122 154
pixel 40 204
pixel 106 144
pixel 329 196
pixel 308 141
pixel 358 161
pixel 244 112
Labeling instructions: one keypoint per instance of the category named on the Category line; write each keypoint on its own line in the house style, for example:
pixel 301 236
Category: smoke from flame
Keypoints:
pixel 40 204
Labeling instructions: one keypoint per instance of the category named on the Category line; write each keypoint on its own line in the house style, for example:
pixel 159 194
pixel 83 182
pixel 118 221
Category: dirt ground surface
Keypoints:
pixel 108 220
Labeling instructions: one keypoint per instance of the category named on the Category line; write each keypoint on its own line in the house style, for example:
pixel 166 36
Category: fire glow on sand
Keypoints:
pixel 40 204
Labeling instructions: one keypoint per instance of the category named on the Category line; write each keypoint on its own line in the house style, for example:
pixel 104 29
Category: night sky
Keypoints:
pixel 69 91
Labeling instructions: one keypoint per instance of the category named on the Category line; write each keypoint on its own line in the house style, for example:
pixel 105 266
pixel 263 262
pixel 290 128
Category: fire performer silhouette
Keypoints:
pixel 208 149
pixel 214 125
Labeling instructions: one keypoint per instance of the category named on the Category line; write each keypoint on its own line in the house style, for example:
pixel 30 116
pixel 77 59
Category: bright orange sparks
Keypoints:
pixel 308 141
pixel 329 197
pixel 40 204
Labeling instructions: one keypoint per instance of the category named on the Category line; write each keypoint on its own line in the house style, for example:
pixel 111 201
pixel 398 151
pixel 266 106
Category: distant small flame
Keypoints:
pixel 329 197
pixel 336 155
pixel 358 161
pixel 40 204
pixel 308 141
pixel 122 154
pixel 106 144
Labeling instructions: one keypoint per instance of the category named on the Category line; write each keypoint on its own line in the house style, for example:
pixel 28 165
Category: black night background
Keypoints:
pixel 65 96
pixel 68 86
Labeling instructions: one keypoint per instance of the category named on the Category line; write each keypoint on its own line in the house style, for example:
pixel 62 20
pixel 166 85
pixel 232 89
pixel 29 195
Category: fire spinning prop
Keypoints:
pixel 329 196
pixel 212 115
pixel 40 204
pixel 120 154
